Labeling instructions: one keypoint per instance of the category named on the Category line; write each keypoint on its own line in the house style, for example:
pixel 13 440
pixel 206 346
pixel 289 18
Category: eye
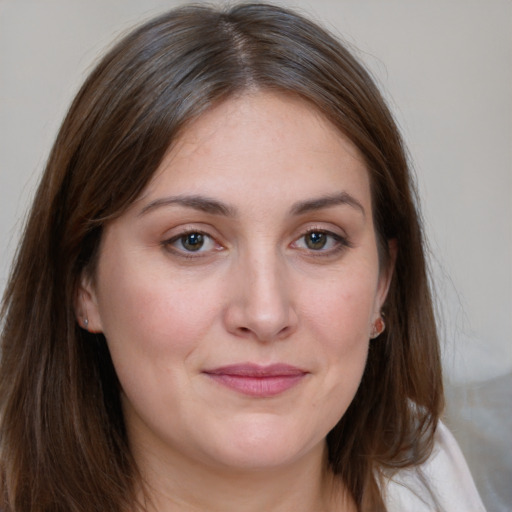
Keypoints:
pixel 316 240
pixel 191 242
pixel 321 241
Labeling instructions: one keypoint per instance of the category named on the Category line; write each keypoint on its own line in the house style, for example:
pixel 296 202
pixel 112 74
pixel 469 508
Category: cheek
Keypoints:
pixel 343 309
pixel 146 314
pixel 340 318
pixel 153 326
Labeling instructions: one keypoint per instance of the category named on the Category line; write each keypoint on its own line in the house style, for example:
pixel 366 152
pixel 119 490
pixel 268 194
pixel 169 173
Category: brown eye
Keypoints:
pixel 323 243
pixel 192 241
pixel 316 240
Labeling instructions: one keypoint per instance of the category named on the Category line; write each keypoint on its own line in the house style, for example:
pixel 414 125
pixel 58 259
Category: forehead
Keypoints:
pixel 256 141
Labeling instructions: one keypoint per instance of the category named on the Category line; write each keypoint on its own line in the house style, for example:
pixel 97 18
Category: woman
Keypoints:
pixel 221 292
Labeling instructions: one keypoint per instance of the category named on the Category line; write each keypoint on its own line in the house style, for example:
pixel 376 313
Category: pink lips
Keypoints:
pixel 258 381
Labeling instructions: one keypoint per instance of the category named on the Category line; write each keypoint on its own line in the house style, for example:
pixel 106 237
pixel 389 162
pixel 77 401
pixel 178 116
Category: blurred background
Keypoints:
pixel 446 70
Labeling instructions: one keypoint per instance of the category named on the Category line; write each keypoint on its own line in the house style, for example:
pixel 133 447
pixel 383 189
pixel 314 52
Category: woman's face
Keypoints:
pixel 237 294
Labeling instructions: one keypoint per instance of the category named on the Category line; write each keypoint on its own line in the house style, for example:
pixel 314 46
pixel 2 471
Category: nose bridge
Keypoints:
pixel 261 305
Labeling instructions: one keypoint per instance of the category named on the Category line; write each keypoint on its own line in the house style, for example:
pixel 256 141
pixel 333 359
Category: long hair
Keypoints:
pixel 63 445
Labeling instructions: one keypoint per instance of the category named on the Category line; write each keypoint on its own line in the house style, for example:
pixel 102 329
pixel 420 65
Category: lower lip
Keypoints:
pixel 264 386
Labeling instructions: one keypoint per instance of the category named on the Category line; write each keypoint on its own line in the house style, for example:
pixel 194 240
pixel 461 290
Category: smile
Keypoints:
pixel 258 381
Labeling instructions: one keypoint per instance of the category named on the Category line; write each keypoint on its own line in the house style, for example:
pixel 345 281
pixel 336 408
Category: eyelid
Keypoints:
pixel 342 242
pixel 168 242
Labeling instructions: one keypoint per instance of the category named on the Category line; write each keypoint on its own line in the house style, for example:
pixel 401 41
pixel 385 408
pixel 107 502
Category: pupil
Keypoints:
pixel 316 240
pixel 193 241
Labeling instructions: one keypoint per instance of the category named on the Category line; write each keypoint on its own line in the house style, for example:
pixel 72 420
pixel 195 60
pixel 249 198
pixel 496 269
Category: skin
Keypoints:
pixel 288 272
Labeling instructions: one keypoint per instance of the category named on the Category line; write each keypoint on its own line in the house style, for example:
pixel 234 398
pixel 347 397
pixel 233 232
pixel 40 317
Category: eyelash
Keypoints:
pixel 182 252
pixel 341 243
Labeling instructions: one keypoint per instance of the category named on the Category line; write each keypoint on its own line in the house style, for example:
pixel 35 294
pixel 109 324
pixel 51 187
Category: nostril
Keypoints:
pixel 285 331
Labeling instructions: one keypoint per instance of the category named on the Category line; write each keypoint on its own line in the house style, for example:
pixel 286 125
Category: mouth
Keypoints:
pixel 256 380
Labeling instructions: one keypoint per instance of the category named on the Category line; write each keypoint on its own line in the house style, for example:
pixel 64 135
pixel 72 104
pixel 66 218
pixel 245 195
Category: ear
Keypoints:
pixel 385 275
pixel 86 305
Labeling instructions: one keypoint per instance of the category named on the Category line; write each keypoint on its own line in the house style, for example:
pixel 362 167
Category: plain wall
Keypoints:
pixel 446 68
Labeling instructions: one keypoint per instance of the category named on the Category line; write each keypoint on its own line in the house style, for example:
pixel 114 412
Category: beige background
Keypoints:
pixel 446 67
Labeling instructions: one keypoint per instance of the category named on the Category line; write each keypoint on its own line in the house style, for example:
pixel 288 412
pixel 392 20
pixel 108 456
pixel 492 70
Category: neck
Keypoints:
pixel 182 485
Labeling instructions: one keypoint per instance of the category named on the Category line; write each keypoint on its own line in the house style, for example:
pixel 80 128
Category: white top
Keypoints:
pixel 443 483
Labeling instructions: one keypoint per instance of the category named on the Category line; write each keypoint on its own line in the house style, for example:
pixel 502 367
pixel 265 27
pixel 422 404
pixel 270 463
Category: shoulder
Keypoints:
pixel 442 483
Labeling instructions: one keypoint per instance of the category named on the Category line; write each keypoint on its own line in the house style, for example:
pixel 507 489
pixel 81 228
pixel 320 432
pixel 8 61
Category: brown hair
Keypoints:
pixel 63 443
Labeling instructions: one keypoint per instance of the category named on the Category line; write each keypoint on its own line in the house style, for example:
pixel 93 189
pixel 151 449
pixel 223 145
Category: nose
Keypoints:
pixel 260 305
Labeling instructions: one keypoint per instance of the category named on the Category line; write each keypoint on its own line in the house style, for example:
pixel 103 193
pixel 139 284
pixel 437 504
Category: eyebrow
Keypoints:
pixel 214 207
pixel 201 203
pixel 343 198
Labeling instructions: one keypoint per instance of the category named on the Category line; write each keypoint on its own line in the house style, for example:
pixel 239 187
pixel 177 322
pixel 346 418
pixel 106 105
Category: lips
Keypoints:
pixel 256 380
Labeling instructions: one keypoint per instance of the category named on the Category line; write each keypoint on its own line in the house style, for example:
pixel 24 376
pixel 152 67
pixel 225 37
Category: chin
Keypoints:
pixel 265 443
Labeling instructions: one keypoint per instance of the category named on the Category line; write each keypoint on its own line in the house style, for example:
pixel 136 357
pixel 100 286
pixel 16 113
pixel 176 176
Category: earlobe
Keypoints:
pixel 378 327
pixel 86 306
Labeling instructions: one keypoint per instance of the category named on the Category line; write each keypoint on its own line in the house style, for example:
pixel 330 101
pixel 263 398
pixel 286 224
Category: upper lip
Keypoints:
pixel 257 370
